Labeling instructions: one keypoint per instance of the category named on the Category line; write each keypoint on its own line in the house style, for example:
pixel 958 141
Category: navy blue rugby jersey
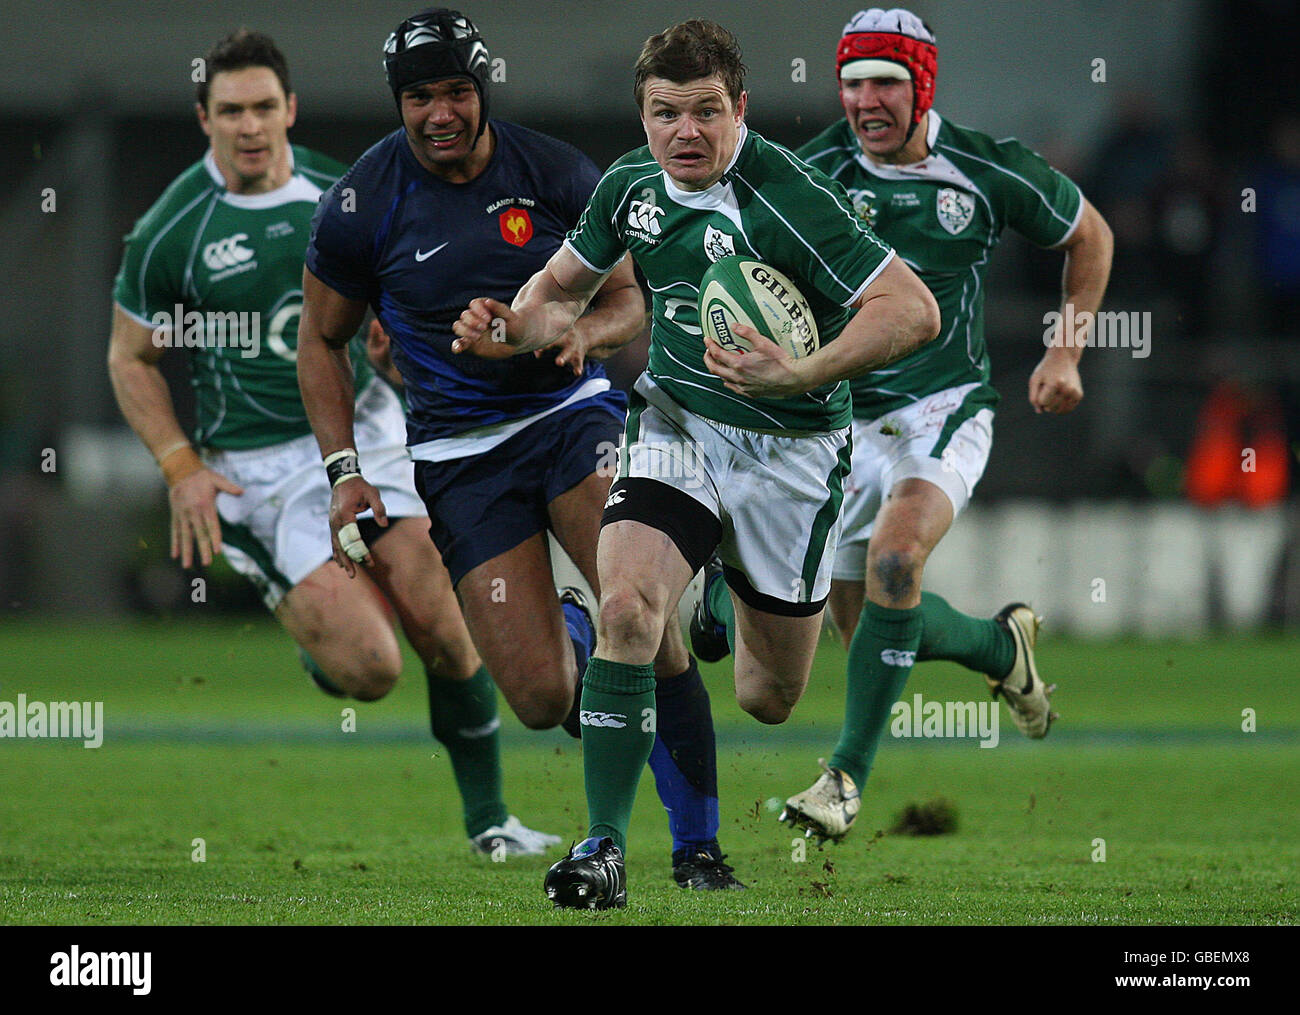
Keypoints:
pixel 418 249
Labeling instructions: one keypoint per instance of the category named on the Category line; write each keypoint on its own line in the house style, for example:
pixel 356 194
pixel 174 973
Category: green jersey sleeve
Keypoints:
pixel 597 239
pixel 1037 201
pixel 151 278
pixel 815 229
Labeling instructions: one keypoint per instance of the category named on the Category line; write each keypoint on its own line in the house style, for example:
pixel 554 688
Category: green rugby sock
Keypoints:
pixel 463 717
pixel 618 733
pixel 719 604
pixel 978 644
pixel 880 660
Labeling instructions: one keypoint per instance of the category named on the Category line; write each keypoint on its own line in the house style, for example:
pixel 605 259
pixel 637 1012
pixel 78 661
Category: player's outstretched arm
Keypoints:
pixel 329 320
pixel 896 315
pixel 544 309
pixel 1055 385
pixel 614 318
pixel 142 395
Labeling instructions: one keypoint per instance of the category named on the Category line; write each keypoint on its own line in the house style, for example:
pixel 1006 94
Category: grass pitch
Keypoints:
pixel 212 733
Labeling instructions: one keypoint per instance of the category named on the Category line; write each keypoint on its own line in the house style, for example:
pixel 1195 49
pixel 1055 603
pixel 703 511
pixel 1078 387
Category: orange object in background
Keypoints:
pixel 1240 450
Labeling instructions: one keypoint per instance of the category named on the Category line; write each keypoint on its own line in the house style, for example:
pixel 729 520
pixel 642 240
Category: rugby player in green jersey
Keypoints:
pixel 941 194
pixel 770 433
pixel 215 267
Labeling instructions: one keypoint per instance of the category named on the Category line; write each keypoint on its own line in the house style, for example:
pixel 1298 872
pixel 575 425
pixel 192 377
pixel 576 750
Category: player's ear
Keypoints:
pixel 202 114
pixel 291 109
pixel 740 106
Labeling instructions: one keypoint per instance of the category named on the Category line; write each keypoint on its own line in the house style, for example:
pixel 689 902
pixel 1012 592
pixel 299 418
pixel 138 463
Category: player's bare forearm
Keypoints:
pixel 146 404
pixel 615 316
pixel 139 386
pixel 325 378
pixel 142 395
pixel 545 311
pixel 1084 278
pixel 1056 386
pixel 896 316
pixel 328 389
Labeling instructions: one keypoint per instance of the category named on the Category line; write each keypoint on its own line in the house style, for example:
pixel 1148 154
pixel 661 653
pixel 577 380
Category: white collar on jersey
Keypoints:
pixel 709 196
pixel 298 188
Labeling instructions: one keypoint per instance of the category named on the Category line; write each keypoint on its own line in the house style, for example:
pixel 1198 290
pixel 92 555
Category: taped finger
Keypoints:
pixel 350 540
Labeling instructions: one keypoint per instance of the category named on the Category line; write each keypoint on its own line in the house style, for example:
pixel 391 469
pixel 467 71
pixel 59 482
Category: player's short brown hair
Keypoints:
pixel 688 51
pixel 241 49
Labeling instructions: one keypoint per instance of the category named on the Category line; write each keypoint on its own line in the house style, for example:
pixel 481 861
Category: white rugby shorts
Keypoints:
pixel 931 439
pixel 278 531
pixel 778 497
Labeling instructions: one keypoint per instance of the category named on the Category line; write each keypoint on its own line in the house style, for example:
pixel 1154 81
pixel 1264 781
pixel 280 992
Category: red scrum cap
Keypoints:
pixel 890 43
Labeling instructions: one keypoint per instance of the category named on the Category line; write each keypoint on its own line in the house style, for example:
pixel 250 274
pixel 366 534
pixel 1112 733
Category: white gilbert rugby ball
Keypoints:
pixel 739 289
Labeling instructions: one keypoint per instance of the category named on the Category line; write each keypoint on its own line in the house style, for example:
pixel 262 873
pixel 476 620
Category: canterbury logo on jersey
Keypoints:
pixel 609 720
pixel 226 253
pixel 897 657
pixel 616 498
pixel 645 215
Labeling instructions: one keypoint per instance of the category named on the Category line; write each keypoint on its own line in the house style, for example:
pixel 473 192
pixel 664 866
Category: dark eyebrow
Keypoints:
pixel 226 105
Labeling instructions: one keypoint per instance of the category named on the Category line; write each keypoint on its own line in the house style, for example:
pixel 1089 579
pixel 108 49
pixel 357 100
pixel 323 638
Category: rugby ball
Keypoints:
pixel 742 290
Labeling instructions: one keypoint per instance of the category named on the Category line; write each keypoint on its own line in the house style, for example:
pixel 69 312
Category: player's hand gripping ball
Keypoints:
pixel 742 290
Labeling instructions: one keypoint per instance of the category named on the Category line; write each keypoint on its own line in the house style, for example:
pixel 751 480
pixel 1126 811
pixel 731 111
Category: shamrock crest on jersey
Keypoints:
pixel 718 244
pixel 956 208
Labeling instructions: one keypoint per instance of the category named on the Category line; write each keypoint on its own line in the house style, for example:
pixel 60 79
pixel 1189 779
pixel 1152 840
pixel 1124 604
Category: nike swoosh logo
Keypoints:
pixel 425 255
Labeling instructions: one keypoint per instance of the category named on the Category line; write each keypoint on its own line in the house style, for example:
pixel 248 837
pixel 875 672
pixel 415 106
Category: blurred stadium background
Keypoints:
pixel 1196 111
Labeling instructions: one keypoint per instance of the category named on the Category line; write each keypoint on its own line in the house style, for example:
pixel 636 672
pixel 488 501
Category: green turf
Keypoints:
pixel 213 733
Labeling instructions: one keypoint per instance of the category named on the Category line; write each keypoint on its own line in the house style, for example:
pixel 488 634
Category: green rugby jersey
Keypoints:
pixel 228 268
pixel 944 216
pixel 768 205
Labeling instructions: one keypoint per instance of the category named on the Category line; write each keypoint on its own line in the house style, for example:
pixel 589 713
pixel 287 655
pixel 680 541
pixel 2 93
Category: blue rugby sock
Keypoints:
pixel 581 633
pixel 583 636
pixel 684 760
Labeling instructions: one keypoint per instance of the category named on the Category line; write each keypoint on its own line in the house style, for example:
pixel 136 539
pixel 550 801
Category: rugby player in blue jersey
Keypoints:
pixel 449 207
